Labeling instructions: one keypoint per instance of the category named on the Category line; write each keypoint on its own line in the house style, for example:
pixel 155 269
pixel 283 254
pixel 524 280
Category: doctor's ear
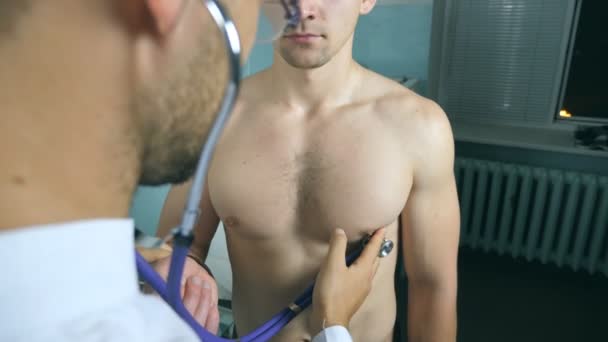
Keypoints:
pixel 165 14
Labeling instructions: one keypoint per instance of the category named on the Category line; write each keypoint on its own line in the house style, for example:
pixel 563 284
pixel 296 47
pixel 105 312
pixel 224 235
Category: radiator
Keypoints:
pixel 547 215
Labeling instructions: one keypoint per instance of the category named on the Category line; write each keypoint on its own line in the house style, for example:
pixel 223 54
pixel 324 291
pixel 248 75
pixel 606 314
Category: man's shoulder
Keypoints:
pixel 403 106
pixel 252 94
pixel 420 122
pixel 255 87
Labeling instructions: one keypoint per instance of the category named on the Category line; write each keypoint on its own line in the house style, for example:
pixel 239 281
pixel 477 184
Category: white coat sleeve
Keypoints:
pixel 333 334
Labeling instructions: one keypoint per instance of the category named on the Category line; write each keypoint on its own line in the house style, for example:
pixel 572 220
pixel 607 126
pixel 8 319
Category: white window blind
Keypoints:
pixel 501 61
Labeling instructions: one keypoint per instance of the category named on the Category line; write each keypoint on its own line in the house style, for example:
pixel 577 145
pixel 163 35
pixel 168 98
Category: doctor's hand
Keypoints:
pixel 340 290
pixel 199 292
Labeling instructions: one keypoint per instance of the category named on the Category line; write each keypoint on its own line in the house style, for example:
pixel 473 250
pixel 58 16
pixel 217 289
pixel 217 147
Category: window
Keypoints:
pixel 498 62
pixel 586 85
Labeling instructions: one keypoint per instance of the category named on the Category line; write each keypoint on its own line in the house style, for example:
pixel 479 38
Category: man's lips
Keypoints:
pixel 302 37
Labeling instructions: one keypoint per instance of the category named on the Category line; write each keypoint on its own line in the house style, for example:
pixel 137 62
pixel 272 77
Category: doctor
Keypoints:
pixel 98 96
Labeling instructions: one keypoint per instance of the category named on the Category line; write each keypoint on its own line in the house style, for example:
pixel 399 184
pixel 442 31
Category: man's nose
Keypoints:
pixel 309 9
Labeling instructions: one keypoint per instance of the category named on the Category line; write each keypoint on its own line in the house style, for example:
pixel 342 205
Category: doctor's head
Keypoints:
pixel 139 81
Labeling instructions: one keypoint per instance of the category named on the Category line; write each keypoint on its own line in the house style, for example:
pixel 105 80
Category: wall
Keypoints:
pixel 148 202
pixel 394 40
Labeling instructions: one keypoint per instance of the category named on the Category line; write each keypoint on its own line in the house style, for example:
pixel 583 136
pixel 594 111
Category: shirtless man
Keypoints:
pixel 319 142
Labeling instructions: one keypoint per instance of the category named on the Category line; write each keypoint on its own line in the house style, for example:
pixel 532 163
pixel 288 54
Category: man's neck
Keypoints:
pixel 328 85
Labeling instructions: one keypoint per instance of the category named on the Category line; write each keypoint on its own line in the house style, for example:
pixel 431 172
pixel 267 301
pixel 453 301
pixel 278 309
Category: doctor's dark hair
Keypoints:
pixel 10 12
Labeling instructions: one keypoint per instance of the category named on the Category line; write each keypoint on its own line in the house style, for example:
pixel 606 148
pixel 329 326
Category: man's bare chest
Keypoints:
pixel 270 180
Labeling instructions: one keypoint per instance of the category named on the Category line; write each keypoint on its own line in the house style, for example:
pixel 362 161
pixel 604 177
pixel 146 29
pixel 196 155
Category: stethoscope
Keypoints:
pixel 183 235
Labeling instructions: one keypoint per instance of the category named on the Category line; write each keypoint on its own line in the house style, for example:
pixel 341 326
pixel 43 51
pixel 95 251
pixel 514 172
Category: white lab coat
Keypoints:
pixel 77 282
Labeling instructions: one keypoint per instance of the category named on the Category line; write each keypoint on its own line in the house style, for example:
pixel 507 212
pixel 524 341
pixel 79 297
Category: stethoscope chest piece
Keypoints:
pixel 385 249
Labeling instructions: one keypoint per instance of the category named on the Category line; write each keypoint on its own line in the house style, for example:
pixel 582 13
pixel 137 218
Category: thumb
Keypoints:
pixel 337 249
pixel 370 253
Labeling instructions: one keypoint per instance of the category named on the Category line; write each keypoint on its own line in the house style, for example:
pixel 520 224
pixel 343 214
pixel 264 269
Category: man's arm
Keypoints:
pixel 173 211
pixel 430 232
pixel 200 292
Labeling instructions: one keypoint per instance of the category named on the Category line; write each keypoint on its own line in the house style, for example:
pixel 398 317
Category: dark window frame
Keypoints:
pixel 578 119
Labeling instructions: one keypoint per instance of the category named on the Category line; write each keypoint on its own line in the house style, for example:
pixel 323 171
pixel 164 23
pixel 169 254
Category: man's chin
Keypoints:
pixel 306 65
pixel 304 62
